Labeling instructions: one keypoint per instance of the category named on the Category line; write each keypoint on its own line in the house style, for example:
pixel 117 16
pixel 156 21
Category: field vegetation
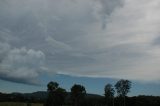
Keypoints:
pixel 19 104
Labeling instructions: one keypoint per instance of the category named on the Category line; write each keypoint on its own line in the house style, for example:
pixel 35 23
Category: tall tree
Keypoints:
pixel 77 94
pixel 109 93
pixel 123 87
pixel 56 95
pixel 60 94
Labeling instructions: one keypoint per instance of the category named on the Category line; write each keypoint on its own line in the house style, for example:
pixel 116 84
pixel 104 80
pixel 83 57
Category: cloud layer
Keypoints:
pixel 93 38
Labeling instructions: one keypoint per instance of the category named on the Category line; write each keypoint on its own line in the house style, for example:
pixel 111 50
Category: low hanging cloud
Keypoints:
pixel 92 38
pixel 22 65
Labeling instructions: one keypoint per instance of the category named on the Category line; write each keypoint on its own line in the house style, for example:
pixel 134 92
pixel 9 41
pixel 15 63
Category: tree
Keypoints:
pixel 109 93
pixel 56 95
pixel 60 94
pixel 77 94
pixel 52 86
pixel 123 87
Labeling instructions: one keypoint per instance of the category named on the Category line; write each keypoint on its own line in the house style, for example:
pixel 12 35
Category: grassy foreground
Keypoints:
pixel 18 104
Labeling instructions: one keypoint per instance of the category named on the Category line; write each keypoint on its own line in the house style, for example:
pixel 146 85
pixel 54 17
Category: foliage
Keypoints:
pixel 109 91
pixel 77 94
pixel 123 87
pixel 109 94
pixel 52 86
pixel 56 95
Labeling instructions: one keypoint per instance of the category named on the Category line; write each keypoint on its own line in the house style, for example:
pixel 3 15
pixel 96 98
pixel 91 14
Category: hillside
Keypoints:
pixel 36 96
pixel 90 99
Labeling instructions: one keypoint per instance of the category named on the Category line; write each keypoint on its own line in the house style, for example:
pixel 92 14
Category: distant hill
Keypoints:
pixel 43 95
pixel 36 96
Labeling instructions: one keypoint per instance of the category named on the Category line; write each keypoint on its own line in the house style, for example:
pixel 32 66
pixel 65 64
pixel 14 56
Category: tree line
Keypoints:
pixel 78 96
pixel 57 95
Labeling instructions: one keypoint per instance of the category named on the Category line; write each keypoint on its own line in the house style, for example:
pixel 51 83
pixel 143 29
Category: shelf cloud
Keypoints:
pixel 92 38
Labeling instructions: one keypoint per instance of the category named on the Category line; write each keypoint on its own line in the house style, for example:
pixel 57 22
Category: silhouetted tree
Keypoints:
pixel 77 94
pixel 52 86
pixel 60 96
pixel 123 87
pixel 56 95
pixel 109 93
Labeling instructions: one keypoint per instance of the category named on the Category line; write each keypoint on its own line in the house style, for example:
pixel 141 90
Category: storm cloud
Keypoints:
pixel 92 38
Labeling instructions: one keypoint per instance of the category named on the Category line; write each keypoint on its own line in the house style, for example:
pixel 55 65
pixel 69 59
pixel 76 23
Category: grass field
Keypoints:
pixel 18 104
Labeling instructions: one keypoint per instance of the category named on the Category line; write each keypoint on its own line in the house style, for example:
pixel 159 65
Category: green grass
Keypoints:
pixel 18 104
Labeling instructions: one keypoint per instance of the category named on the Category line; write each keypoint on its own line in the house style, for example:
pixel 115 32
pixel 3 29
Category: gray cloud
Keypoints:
pixel 99 38
pixel 4 47
pixel 23 65
pixel 107 8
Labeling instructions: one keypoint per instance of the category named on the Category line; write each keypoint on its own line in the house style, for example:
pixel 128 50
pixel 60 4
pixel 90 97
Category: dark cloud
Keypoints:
pixel 20 80
pixel 108 6
pixel 156 41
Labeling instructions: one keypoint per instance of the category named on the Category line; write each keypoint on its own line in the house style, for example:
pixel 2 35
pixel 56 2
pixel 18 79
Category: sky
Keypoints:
pixel 79 41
